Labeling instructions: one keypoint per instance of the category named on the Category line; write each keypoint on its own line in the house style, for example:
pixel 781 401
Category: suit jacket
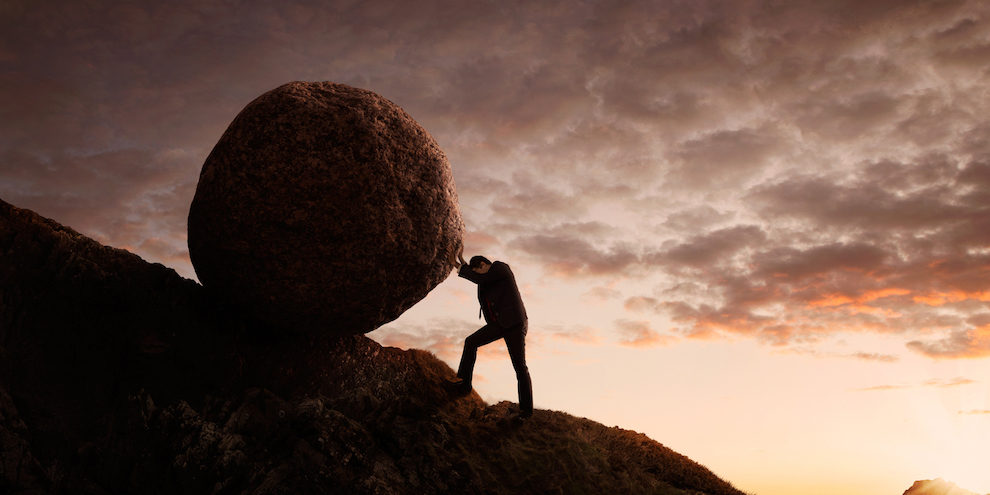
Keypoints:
pixel 498 294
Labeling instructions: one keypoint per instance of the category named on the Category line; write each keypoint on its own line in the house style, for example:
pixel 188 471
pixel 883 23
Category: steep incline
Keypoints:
pixel 119 376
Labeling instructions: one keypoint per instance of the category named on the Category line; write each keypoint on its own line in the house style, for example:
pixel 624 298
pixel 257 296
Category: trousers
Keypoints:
pixel 515 341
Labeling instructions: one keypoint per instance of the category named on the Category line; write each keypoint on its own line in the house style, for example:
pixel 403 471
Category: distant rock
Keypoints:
pixel 324 208
pixel 937 486
pixel 120 377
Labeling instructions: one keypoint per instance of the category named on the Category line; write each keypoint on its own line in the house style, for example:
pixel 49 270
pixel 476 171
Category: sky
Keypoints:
pixel 757 231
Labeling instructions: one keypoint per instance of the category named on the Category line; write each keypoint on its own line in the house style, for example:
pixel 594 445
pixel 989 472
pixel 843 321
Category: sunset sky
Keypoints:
pixel 757 231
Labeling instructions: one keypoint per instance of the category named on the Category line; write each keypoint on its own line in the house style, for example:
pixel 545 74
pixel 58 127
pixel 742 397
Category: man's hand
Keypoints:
pixel 456 257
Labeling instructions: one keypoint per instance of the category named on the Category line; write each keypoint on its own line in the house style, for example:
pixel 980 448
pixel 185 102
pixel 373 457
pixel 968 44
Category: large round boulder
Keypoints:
pixel 324 208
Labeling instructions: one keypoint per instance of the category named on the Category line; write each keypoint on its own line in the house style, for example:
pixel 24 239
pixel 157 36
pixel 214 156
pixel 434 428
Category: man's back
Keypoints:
pixel 498 294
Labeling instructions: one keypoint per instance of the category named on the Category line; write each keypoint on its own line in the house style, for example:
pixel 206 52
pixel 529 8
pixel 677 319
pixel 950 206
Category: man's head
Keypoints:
pixel 480 264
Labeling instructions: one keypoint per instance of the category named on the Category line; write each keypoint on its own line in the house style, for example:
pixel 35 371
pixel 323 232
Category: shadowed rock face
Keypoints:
pixel 120 377
pixel 324 208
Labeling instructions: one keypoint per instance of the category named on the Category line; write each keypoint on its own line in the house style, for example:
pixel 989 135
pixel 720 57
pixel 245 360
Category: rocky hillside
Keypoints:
pixel 937 486
pixel 119 376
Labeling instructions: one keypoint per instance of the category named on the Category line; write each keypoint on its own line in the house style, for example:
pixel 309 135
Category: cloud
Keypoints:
pixel 976 411
pixel 601 294
pixel 641 304
pixel 638 334
pixel 862 356
pixel 699 217
pixel 708 249
pixel 849 116
pixel 933 383
pixel 954 382
pixel 441 336
pixel 478 242
pixel 880 388
pixel 873 356
pixel 890 246
pixel 931 193
pixel 724 155
pixel 841 183
pixel 971 343
pixel 571 256
pixel 582 335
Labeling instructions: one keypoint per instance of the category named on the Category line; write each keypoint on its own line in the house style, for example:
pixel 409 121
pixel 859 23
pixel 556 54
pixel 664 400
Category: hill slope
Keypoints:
pixel 937 486
pixel 119 376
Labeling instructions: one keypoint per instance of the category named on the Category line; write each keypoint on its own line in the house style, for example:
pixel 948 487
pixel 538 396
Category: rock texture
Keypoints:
pixel 937 486
pixel 120 377
pixel 324 208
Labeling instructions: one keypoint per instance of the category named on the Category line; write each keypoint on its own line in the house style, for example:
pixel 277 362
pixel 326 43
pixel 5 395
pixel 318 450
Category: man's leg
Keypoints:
pixel 515 340
pixel 485 335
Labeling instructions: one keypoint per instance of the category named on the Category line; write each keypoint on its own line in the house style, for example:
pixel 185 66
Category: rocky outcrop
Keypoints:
pixel 324 208
pixel 937 486
pixel 119 376
pixel 18 467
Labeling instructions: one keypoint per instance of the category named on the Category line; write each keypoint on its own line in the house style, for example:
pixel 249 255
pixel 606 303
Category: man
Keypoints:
pixel 505 318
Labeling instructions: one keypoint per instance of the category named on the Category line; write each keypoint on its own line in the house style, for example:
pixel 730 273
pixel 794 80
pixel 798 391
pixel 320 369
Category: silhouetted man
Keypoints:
pixel 505 318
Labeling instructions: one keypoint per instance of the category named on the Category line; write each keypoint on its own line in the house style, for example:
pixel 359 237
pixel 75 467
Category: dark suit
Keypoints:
pixel 505 315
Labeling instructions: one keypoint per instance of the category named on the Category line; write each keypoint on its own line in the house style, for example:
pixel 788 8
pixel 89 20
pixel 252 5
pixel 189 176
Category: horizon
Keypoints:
pixel 757 233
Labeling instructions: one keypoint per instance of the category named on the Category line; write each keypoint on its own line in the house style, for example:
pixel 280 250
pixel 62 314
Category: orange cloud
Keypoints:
pixel 972 343
pixel 831 301
pixel 941 298
pixel 935 382
pixel 868 296
pixel 639 334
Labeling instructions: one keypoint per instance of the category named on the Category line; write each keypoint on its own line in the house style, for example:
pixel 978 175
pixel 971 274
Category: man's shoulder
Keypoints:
pixel 498 265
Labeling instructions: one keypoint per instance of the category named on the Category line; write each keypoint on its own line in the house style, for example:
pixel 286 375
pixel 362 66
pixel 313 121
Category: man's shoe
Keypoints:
pixel 521 418
pixel 459 386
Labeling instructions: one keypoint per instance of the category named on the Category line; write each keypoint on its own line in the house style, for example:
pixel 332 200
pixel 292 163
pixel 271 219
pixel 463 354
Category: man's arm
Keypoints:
pixel 498 271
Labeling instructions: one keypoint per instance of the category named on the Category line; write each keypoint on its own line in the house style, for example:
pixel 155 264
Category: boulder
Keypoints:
pixel 324 208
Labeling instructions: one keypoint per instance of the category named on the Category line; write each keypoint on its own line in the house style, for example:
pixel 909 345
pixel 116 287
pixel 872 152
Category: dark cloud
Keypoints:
pixel 534 202
pixel 779 171
pixel 708 250
pixel 700 217
pixel 969 343
pixel 892 247
pixel 930 194
pixel 569 256
pixel 848 117
pixel 724 155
